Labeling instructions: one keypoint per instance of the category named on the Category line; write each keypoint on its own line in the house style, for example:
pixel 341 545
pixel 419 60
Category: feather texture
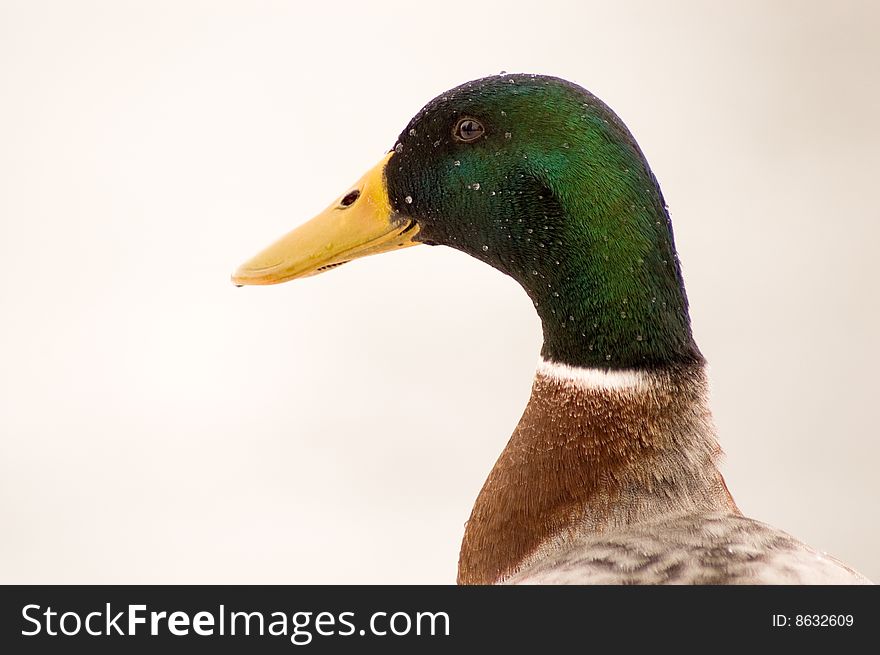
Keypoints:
pixel 716 548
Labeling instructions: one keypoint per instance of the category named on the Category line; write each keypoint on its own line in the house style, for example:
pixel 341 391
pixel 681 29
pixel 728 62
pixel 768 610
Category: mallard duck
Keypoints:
pixel 611 475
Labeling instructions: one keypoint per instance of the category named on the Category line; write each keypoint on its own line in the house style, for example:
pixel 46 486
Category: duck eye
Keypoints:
pixel 468 129
pixel 350 197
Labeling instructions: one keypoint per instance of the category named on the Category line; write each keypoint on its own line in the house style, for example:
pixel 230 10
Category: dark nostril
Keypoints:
pixel 350 197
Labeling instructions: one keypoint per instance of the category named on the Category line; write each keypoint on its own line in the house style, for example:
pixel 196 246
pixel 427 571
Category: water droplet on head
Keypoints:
pixel 565 145
pixel 475 186
pixel 507 135
pixel 456 163
pixel 534 272
pixel 398 148
pixel 485 248
pixel 607 357
pixel 412 132
pixel 408 200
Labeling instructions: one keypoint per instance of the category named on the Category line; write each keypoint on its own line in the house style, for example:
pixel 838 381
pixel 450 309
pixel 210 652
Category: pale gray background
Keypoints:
pixel 159 425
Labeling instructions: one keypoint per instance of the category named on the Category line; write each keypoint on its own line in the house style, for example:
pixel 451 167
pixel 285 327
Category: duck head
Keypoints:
pixel 541 180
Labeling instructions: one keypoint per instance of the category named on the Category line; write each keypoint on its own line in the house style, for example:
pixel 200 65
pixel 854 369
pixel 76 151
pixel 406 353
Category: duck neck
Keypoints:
pixel 595 449
pixel 637 319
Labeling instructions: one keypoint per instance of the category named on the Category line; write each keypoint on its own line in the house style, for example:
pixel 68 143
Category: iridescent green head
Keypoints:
pixel 541 180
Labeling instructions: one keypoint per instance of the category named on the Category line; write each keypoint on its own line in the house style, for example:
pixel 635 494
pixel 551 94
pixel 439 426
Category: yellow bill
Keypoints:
pixel 358 224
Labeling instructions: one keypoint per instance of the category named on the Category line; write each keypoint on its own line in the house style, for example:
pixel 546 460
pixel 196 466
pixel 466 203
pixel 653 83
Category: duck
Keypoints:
pixel 612 474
